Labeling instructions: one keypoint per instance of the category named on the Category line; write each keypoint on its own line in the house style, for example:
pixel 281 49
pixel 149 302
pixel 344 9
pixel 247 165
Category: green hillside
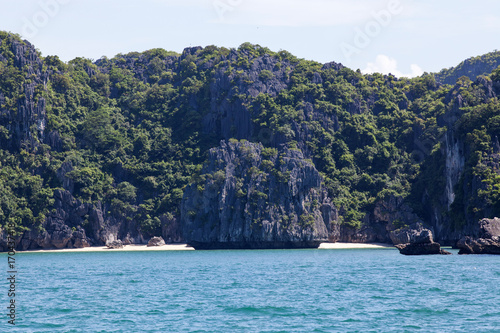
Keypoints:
pixel 123 137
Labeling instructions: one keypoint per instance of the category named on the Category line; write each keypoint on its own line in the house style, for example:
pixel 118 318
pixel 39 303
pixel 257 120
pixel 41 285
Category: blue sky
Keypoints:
pixel 405 37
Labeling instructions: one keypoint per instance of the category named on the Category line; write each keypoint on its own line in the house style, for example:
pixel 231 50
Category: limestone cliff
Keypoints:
pixel 459 196
pixel 252 197
pixel 106 150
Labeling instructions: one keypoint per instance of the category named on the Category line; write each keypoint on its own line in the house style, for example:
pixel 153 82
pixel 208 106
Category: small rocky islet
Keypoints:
pixel 245 148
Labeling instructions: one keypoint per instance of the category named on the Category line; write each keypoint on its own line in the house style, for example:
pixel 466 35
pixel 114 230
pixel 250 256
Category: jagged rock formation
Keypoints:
pixel 451 199
pixel 417 242
pixel 252 197
pixel 27 123
pixel 487 240
pixel 104 150
pixel 116 244
pixel 156 241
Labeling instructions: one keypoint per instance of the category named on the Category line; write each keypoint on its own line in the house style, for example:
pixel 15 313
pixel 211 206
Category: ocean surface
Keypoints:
pixel 254 291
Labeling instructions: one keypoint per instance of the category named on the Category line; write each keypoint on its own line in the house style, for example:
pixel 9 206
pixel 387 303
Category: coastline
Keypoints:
pixel 350 246
pixel 185 247
pixel 126 248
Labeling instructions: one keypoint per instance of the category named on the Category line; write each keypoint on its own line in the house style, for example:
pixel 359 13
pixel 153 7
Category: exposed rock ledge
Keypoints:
pixel 249 197
pixel 116 244
pixel 156 241
pixel 420 242
pixel 488 241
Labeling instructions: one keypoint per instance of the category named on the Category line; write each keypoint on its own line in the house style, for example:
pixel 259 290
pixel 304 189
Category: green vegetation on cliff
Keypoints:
pixel 131 132
pixel 471 68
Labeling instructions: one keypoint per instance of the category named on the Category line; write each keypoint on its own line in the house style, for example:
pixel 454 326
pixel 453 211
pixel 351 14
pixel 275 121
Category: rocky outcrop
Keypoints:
pixel 116 244
pixel 251 197
pixel 171 229
pixel 79 239
pixel 27 122
pixel 414 234
pixel 73 224
pixel 156 241
pixel 450 197
pixel 487 242
pixel 419 242
pixel 390 214
pixel 469 245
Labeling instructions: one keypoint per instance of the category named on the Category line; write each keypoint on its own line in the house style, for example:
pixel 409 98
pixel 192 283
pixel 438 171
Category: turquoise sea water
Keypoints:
pixel 255 291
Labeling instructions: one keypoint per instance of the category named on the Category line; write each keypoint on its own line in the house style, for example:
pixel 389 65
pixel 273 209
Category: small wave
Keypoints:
pixel 430 311
pixel 380 297
pixel 154 312
pixel 490 315
pixel 413 327
pixel 351 320
pixel 262 310
pixel 124 321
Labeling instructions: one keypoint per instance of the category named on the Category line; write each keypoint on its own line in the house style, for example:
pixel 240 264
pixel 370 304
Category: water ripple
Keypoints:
pixel 257 291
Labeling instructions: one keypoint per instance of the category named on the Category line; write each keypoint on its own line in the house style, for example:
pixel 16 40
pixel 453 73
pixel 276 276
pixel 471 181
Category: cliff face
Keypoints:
pixel 252 197
pixel 230 93
pixel 97 152
pixel 70 223
pixel 462 191
pixel 25 120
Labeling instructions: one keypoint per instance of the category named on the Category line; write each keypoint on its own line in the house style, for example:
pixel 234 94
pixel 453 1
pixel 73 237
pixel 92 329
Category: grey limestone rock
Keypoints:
pixel 156 241
pixel 252 197
pixel 79 239
pixel 487 242
pixel 116 244
pixel 420 242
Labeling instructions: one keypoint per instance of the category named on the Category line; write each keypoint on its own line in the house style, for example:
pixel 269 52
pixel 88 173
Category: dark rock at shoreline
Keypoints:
pixel 116 244
pixel 469 245
pixel 421 249
pixel 156 241
pixel 79 240
pixel 420 242
pixel 488 241
pixel 415 234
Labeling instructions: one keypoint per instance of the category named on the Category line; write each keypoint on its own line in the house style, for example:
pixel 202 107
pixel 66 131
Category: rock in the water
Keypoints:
pixel 116 244
pixel 413 234
pixel 156 241
pixel 488 241
pixel 251 197
pixel 420 249
pixel 420 243
pixel 469 245
pixel 489 228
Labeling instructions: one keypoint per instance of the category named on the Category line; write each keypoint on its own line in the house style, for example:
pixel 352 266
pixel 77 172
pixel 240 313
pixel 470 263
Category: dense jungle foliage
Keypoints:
pixel 133 131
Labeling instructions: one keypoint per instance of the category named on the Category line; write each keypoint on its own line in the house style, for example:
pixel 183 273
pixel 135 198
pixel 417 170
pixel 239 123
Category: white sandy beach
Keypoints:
pixel 168 247
pixel 338 246
pixel 185 247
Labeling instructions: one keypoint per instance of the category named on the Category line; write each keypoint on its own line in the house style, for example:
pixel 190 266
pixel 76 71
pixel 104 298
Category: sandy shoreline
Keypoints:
pixel 126 248
pixel 184 247
pixel 340 246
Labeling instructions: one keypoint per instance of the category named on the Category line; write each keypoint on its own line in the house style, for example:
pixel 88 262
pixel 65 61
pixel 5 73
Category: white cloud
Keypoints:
pixel 386 65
